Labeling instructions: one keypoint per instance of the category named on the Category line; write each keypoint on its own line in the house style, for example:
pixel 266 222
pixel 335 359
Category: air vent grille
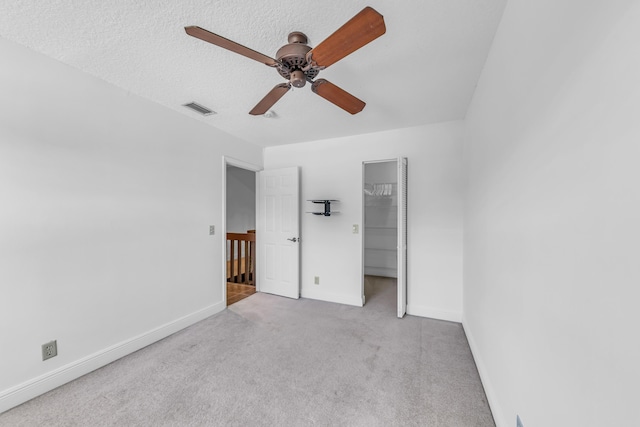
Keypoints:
pixel 199 108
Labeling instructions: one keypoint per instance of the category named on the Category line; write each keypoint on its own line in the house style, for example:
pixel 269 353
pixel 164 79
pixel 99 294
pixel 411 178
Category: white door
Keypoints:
pixel 402 236
pixel 278 232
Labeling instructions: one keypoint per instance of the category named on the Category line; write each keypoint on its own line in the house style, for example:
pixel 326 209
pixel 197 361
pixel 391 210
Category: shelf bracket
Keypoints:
pixel 327 208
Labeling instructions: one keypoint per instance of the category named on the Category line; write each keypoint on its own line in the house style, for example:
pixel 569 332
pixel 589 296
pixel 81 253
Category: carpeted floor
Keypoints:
pixel 272 361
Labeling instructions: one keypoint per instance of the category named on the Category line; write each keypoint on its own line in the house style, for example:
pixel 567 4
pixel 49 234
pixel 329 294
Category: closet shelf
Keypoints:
pixel 394 249
pixel 381 268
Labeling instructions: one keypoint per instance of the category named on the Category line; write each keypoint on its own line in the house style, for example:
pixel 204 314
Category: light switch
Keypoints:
pixel 355 229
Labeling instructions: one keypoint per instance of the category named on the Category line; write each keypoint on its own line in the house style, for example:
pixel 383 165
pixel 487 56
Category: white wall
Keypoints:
pixel 106 205
pixel 551 226
pixel 333 169
pixel 241 200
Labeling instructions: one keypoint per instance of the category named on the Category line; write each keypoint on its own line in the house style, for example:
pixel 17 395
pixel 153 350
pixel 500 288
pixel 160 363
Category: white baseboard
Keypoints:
pixel 434 313
pixel 329 297
pixel 28 390
pixel 496 410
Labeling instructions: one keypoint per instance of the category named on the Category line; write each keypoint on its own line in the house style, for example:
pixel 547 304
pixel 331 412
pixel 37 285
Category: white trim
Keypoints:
pixel 393 159
pixel 330 297
pixel 362 231
pixel 496 410
pixel 28 390
pixel 402 184
pixel 226 161
pixel 241 164
pixel 434 313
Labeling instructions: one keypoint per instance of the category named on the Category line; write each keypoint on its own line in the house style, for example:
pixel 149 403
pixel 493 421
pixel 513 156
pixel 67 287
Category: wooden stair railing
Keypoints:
pixel 241 269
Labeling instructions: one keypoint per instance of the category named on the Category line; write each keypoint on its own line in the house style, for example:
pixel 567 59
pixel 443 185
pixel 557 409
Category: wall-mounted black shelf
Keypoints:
pixel 327 206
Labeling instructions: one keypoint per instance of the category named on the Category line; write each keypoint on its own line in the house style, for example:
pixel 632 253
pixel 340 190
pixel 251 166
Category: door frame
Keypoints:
pixel 230 161
pixel 396 161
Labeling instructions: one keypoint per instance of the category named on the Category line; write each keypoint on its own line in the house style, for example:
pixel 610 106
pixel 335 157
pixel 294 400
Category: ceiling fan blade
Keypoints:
pixel 270 99
pixel 337 96
pixel 208 36
pixel 363 28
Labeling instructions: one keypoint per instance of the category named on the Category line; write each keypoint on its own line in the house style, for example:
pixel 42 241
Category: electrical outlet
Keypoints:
pixel 316 280
pixel 519 421
pixel 355 229
pixel 49 350
pixel 212 230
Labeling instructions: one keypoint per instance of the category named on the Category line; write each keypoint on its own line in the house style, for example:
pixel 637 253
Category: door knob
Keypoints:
pixel 293 239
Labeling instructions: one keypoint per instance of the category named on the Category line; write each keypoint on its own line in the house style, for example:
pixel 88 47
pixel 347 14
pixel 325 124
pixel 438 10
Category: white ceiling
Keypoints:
pixel 423 70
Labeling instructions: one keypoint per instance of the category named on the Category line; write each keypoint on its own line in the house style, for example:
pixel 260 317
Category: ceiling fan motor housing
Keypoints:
pixel 294 57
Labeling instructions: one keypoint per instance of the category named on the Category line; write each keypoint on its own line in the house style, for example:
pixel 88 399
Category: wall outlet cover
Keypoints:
pixel 49 350
pixel 316 280
pixel 212 230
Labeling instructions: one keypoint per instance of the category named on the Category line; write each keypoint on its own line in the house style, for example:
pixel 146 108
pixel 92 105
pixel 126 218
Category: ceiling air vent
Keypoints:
pixel 199 109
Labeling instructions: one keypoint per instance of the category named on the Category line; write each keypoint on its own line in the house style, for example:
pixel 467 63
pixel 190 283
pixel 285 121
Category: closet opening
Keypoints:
pixel 384 234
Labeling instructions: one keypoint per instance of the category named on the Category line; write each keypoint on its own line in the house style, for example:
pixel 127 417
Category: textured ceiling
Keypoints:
pixel 423 70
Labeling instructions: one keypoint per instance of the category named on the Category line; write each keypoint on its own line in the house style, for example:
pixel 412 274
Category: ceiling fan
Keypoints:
pixel 298 63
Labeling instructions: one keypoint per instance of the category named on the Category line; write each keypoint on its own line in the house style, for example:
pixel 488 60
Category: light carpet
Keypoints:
pixel 273 361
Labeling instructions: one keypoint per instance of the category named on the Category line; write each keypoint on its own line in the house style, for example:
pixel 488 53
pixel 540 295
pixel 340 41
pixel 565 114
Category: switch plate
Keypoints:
pixel 316 280
pixel 355 229
pixel 212 230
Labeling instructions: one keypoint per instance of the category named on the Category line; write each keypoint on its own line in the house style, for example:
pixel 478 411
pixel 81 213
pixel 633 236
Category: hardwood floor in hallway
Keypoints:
pixel 237 292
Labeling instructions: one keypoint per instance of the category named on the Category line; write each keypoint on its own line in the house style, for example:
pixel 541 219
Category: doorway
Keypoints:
pixel 384 232
pixel 239 228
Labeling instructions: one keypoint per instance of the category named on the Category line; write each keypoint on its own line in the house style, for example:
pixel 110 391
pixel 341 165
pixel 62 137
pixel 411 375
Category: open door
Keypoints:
pixel 402 236
pixel 278 232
